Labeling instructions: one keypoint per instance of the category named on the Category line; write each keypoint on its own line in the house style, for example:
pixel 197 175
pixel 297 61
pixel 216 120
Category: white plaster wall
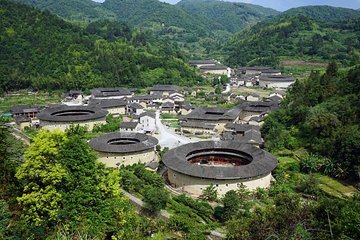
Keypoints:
pixel 195 185
pixel 269 84
pixel 148 122
pixel 117 159
pixel 62 126
pixel 117 110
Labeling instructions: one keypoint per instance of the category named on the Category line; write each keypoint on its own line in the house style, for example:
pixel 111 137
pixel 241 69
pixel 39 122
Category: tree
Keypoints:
pixel 209 193
pixel 232 205
pixel 5 216
pixel 41 176
pixel 155 199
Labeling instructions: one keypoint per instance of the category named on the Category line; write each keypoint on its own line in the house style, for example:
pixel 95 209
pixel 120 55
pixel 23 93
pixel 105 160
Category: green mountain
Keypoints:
pixel 42 51
pixel 79 10
pixel 297 36
pixel 233 16
pixel 150 12
pixel 326 14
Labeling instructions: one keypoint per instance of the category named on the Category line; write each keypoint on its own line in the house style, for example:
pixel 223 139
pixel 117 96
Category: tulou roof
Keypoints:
pixel 277 78
pixel 261 162
pixel 63 113
pixel 110 92
pixel 213 114
pixel 214 67
pixel 123 142
pixel 108 103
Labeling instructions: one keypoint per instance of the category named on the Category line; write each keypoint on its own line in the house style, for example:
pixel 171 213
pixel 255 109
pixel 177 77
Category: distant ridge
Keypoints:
pixel 233 16
pixel 323 13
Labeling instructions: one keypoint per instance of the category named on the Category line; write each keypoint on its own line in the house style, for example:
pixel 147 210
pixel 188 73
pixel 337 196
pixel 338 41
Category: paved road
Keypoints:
pixel 167 137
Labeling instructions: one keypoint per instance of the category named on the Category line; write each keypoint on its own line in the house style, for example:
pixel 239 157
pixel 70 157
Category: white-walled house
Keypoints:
pixel 148 121
pixel 130 127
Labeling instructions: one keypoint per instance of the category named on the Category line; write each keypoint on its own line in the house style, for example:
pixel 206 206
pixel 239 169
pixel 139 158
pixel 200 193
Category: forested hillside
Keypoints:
pixel 42 51
pixel 326 14
pixel 79 10
pixel 233 16
pixel 296 37
pixel 322 115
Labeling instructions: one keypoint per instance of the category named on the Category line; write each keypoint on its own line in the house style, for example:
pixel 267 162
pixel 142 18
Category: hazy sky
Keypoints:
pixel 283 5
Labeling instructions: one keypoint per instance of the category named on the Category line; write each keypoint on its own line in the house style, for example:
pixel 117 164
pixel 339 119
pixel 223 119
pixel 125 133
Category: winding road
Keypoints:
pixel 168 138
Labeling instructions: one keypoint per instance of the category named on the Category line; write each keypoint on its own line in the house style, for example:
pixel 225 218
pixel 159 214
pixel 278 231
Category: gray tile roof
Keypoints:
pixel 214 67
pixel 277 78
pixel 123 142
pixel 213 114
pixel 262 162
pixel 108 103
pixel 65 113
pixel 129 125
pixel 109 92
pixel 197 125
pixel 149 114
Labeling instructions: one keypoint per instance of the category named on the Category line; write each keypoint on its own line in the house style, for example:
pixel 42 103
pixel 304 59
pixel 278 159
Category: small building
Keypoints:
pixel 243 133
pixel 201 63
pixel 110 93
pixel 163 90
pixel 62 117
pixel 253 71
pixel 257 120
pixel 168 107
pixel 148 121
pixel 253 97
pixel 116 149
pixel 22 122
pixel 196 128
pixel 185 108
pixel 116 107
pixel 256 109
pixel 130 127
pixel 73 98
pixel 225 164
pixel 25 110
pixel 276 81
pixel 135 109
pixel 216 70
pixel 213 115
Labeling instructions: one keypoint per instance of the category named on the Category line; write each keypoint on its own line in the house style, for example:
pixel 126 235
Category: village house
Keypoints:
pixel 212 115
pixel 197 128
pixel 201 63
pixel 116 107
pixel 22 122
pixel 276 81
pixel 255 109
pixel 135 109
pixel 148 121
pixel 24 110
pixel 253 97
pixel 216 70
pixel 73 97
pixel 111 93
pixel 163 90
pixel 168 107
pixel 130 127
